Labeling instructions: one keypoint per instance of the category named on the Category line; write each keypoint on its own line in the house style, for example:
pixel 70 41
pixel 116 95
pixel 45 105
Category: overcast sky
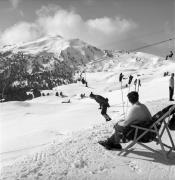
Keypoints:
pixel 109 24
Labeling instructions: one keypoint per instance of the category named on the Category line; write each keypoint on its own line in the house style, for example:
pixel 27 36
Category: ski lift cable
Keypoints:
pixel 153 44
pixel 143 47
pixel 133 50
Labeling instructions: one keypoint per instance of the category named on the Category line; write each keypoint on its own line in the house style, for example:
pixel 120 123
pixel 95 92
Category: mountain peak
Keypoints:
pixel 52 44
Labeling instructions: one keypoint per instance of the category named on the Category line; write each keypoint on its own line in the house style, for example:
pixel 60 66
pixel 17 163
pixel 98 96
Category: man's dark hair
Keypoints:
pixel 133 97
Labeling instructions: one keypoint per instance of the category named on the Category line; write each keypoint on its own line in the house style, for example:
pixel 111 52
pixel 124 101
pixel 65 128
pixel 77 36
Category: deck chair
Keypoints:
pixel 152 131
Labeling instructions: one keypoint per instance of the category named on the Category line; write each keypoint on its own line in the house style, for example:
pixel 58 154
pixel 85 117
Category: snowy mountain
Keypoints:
pixel 74 51
pixel 46 62
pixel 53 60
pixel 78 54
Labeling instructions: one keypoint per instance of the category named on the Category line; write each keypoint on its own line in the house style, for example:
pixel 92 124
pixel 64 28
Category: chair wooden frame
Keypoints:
pixel 164 119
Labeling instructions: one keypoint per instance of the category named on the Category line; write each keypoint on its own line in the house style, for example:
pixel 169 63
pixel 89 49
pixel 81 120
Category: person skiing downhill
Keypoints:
pixel 104 104
pixel 99 99
pixel 171 87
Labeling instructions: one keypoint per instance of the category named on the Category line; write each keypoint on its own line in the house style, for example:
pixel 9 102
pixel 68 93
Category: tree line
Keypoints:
pixel 20 73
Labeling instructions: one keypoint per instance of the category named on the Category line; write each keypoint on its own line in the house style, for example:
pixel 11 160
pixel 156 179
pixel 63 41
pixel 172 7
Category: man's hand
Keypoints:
pixel 121 122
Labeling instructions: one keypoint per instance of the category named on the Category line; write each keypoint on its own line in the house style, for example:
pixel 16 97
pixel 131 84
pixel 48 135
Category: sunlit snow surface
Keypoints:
pixel 27 127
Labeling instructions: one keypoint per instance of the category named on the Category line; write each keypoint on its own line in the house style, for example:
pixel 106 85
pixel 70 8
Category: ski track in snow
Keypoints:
pixel 81 157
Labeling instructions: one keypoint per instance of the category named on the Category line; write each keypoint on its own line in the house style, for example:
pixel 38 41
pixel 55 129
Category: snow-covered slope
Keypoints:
pixel 126 60
pixel 31 131
pixel 34 143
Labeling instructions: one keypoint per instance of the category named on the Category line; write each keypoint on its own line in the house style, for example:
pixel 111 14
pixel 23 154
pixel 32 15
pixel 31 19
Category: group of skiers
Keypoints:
pixel 60 94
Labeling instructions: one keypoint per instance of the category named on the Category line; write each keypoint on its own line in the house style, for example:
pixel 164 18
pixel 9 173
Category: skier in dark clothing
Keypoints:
pixel 61 94
pixel 104 107
pixel 86 83
pixel 104 104
pixel 83 81
pixel 82 96
pixel 171 87
pixel 99 99
pixel 169 55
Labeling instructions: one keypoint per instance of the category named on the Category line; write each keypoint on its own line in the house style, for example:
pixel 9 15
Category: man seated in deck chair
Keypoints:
pixel 137 114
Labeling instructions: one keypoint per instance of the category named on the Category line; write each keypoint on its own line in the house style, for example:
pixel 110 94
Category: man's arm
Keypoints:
pixel 131 117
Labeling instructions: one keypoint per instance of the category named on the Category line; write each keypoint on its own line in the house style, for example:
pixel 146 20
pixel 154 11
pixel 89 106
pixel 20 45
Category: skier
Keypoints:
pixel 171 87
pixel 169 55
pixel 83 81
pixel 56 94
pixel 99 99
pixel 61 94
pixel 86 83
pixel 104 106
pixel 82 96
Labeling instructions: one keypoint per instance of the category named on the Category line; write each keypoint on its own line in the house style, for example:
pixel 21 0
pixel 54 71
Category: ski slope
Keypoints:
pixel 46 139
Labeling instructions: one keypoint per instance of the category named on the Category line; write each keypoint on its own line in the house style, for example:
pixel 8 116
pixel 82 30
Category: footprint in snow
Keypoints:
pixel 134 167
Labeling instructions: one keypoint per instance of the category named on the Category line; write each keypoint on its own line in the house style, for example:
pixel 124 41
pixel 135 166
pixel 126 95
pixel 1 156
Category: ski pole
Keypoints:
pixel 135 84
pixel 120 80
pixel 139 84
pixel 129 83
